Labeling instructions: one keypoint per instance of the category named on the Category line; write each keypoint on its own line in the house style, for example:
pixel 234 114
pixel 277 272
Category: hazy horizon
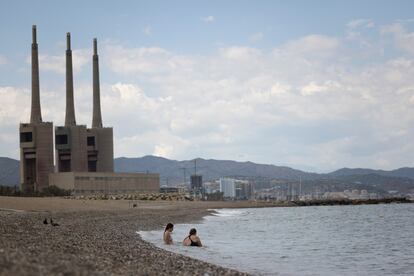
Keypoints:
pixel 257 163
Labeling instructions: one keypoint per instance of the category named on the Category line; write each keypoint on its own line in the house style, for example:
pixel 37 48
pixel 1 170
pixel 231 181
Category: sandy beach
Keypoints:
pixel 97 237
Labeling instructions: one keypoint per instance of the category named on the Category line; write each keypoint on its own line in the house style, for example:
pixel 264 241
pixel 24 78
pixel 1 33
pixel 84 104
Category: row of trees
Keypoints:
pixel 49 191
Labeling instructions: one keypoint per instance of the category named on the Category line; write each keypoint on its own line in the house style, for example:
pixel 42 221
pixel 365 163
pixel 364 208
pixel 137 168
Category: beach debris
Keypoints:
pixel 53 223
pixel 134 205
pixel 45 221
pixel 189 198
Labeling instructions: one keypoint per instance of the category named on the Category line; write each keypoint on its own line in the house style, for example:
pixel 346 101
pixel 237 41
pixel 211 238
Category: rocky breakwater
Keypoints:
pixel 138 196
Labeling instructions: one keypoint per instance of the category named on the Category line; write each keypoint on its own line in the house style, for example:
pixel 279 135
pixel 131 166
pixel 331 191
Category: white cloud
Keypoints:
pixel 208 19
pixel 256 37
pixel 15 105
pixel 278 89
pixel 314 88
pixel 239 53
pixel 57 63
pixel 357 31
pixel 361 23
pixel 159 143
pixel 215 105
pixel 311 45
pixel 163 150
pixel 138 60
pixel 305 103
pixel 402 38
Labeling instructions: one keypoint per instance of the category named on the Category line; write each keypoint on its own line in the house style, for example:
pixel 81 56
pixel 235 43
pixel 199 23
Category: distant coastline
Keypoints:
pixel 322 202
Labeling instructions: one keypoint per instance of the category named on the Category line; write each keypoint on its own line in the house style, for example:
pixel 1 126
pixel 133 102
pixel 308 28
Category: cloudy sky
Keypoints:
pixel 316 85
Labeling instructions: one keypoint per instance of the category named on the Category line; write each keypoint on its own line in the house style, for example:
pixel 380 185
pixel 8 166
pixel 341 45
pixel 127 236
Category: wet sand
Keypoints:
pixel 97 237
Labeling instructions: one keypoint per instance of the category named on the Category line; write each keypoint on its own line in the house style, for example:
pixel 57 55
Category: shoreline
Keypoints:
pixel 96 238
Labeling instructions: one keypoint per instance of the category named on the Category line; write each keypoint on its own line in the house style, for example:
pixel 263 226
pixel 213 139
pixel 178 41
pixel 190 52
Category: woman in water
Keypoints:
pixel 192 239
pixel 167 233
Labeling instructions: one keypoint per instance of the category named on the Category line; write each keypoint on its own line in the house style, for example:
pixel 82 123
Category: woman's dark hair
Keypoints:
pixel 193 231
pixel 169 226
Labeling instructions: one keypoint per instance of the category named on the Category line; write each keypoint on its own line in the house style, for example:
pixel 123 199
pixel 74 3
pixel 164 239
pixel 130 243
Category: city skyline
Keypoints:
pixel 218 81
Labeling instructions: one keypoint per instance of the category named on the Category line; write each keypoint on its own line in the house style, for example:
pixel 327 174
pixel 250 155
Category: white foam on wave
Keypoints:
pixel 148 235
pixel 227 213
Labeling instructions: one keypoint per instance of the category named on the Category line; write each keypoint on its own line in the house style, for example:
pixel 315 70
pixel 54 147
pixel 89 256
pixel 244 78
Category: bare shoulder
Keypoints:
pixel 186 241
pixel 198 240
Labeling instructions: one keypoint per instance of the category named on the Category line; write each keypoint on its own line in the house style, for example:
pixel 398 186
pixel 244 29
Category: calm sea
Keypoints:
pixel 321 240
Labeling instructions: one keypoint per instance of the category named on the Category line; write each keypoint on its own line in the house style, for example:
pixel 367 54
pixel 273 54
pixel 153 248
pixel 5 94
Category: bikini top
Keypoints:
pixel 192 242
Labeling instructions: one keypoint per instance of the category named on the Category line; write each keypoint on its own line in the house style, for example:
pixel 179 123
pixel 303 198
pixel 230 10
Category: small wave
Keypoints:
pixel 227 213
pixel 148 235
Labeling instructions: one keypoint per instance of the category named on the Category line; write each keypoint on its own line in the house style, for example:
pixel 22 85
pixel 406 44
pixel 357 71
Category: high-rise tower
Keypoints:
pixel 36 114
pixel 36 137
pixel 100 139
pixel 70 106
pixel 70 140
pixel 97 116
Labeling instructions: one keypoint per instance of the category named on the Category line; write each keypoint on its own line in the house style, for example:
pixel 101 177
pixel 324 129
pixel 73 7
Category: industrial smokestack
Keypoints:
pixel 97 117
pixel 70 106
pixel 36 114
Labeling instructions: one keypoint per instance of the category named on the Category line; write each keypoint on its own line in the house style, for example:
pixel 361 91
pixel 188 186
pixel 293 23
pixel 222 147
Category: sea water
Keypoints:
pixel 318 240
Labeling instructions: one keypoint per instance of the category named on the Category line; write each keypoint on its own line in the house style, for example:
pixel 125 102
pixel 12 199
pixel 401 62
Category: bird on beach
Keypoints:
pixel 53 223
pixel 45 221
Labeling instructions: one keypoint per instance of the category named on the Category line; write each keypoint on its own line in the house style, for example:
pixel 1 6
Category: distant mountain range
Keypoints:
pixel 210 169
pixel 172 172
pixel 9 171
pixel 401 172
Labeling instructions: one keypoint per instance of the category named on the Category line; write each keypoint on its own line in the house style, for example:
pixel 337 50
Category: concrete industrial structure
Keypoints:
pixel 80 149
pixel 36 137
pixel 99 139
pixel 93 182
pixel 84 157
pixel 70 140
pixel 196 182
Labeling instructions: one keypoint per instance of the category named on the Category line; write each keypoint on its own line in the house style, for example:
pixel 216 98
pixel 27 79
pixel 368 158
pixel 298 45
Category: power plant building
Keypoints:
pixel 70 139
pixel 36 137
pixel 80 149
pixel 84 156
pixel 99 139
pixel 89 182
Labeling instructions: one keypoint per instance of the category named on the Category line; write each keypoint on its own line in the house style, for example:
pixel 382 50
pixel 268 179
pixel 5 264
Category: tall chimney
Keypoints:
pixel 70 107
pixel 36 114
pixel 97 117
